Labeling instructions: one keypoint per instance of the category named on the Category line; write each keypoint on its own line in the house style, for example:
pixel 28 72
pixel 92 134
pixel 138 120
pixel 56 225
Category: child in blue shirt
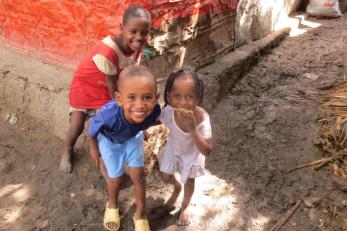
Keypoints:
pixel 116 135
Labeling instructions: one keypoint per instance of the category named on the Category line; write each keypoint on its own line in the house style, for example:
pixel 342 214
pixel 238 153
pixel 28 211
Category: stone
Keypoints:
pixel 312 201
pixel 311 76
pixel 13 119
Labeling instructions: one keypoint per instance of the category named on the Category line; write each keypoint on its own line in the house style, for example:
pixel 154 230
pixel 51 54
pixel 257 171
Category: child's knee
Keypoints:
pixel 114 181
pixel 190 183
pixel 139 178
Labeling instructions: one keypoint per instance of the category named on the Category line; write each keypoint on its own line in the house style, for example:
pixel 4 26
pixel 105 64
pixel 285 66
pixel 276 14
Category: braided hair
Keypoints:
pixel 199 84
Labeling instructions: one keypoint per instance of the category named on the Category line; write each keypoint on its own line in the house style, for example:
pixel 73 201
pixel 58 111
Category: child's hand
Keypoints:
pixel 95 155
pixel 94 151
pixel 185 118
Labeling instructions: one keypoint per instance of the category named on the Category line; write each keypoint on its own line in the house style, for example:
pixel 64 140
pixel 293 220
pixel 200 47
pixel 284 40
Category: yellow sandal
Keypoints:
pixel 141 224
pixel 111 217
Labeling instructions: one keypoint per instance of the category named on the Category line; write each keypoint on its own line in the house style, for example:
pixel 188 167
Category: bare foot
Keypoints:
pixel 171 202
pixel 184 218
pixel 65 163
pixel 165 210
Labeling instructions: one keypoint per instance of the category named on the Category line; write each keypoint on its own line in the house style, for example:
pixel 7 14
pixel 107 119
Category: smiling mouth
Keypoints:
pixel 138 114
pixel 137 44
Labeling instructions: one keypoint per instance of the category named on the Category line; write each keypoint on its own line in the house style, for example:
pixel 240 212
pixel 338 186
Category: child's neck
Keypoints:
pixel 122 46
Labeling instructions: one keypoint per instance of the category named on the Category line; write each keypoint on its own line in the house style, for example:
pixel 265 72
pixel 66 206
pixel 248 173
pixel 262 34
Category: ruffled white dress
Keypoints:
pixel 180 154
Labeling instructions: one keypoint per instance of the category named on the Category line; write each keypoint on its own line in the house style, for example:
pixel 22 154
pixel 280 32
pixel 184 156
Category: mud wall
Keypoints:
pixel 258 18
pixel 32 88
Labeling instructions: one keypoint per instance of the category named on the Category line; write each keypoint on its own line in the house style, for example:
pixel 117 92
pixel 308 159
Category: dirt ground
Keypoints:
pixel 264 127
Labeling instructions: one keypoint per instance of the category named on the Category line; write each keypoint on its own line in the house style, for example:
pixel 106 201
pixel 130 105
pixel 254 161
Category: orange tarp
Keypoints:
pixel 62 32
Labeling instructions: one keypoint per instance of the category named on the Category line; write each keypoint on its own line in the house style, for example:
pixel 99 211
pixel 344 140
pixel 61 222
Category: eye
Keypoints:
pixel 148 98
pixel 190 97
pixel 131 98
pixel 132 31
pixel 176 96
pixel 144 33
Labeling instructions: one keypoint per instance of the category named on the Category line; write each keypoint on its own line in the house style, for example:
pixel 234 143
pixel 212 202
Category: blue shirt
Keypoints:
pixel 110 121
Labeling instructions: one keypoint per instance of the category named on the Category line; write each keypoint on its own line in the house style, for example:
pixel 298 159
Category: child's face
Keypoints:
pixel 183 93
pixel 137 96
pixel 136 32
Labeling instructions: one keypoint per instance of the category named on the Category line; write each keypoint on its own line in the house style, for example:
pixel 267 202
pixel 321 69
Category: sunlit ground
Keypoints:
pixel 17 193
pixel 300 24
pixel 215 206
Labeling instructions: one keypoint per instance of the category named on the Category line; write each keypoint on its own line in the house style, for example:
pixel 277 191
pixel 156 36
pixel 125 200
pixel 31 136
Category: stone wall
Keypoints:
pixel 195 41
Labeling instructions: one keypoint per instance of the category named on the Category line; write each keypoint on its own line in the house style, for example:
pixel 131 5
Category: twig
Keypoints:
pixel 322 162
pixel 321 165
pixel 284 219
pixel 310 164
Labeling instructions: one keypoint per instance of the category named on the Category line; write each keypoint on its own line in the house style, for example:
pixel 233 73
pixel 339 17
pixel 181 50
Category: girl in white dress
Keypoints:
pixel 189 137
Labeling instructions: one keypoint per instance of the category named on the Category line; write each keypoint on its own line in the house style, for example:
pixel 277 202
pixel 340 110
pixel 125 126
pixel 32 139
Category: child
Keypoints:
pixel 95 79
pixel 116 133
pixel 189 138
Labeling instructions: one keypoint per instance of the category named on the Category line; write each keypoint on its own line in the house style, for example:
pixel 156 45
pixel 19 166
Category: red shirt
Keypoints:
pixel 89 89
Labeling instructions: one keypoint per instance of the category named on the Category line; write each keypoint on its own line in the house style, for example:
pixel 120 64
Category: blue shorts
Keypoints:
pixel 115 155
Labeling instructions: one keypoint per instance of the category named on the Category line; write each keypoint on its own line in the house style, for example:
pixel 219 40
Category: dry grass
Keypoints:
pixel 333 131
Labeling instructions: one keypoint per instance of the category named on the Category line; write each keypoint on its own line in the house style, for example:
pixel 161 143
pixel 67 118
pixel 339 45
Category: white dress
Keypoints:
pixel 180 154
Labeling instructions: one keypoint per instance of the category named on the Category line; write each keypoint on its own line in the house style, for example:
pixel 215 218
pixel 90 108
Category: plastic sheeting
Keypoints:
pixel 63 31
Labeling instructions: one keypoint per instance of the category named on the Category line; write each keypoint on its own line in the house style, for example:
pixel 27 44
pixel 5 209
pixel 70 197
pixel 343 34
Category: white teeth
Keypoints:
pixel 138 113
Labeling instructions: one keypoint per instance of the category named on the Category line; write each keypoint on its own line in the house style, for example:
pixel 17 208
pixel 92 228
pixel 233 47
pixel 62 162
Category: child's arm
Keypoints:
pixel 204 145
pixel 94 151
pixel 189 121
pixel 96 124
pixel 112 84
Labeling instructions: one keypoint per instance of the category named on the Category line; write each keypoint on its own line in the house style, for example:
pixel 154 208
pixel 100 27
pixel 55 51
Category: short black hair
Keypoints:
pixel 135 11
pixel 199 83
pixel 136 70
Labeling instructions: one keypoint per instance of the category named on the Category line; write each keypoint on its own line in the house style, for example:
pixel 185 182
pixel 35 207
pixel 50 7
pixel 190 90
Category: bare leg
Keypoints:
pixel 138 177
pixel 185 215
pixel 75 130
pixel 113 188
pixel 171 179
